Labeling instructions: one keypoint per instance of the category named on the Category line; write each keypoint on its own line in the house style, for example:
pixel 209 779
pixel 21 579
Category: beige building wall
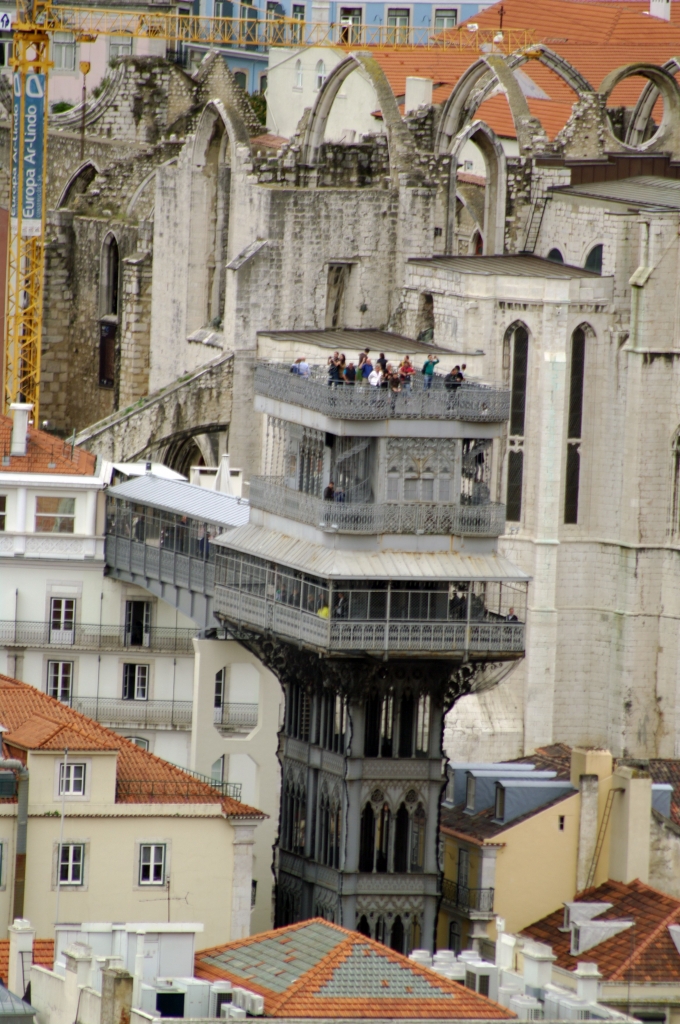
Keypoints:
pixel 250 758
pixel 200 856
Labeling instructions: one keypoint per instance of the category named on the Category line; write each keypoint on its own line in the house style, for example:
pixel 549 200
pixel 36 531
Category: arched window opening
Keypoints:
pixel 455 939
pixel 367 839
pixel 423 726
pixel 416 933
pixel 594 259
pixel 241 79
pixel 383 844
pixel 397 935
pixel 298 74
pixel 574 425
pixel 109 289
pixel 320 74
pixel 406 710
pixel 401 840
pixel 556 256
pixel 418 839
pixel 520 364
pixel 294 818
pixel 425 321
pixel 372 727
pixel 363 927
pixel 380 930
pixel 478 244
pixel 298 710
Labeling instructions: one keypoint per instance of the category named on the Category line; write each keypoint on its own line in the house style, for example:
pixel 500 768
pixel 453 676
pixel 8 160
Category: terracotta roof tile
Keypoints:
pixel 45 453
pixel 316 969
pixel 35 721
pixel 43 956
pixel 646 953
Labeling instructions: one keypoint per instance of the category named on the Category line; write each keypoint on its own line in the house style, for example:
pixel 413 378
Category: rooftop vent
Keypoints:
pixel 20 414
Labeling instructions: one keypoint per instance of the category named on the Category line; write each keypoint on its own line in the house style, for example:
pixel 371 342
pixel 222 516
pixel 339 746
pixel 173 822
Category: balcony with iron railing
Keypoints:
pixel 470 402
pixel 234 717
pixel 183 789
pixel 483 520
pixel 467 899
pixel 93 637
pixel 141 714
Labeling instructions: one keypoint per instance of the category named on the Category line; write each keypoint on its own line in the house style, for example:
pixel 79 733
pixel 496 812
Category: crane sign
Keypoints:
pixel 27 209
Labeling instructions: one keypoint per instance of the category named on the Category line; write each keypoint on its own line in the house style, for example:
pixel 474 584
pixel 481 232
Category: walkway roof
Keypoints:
pixel 184 499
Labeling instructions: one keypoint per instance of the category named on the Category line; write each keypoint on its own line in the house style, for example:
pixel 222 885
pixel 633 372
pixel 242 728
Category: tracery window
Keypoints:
pixel 517 346
pixel 421 469
pixel 574 425
pixel 294 817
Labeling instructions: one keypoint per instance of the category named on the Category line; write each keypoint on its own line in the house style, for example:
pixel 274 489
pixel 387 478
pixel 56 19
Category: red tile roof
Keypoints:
pixel 315 969
pixel 595 37
pixel 645 953
pixel 43 956
pixel 35 721
pixel 44 454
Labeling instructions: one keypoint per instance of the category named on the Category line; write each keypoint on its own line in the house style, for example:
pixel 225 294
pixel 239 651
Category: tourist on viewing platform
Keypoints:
pixel 511 617
pixel 375 378
pixel 406 372
pixel 365 369
pixel 334 369
pixel 381 362
pixel 303 367
pixel 341 607
pixel 329 492
pixel 350 374
pixel 428 370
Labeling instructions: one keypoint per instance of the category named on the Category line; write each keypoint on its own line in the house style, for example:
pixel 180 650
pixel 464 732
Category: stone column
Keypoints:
pixel 242 880
pixel 21 936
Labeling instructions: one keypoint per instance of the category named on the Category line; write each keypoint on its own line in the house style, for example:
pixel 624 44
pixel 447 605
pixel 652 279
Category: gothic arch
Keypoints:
pixel 668 133
pixel 401 147
pixel 234 127
pixel 635 136
pixel 484 76
pixel 79 182
pixel 493 229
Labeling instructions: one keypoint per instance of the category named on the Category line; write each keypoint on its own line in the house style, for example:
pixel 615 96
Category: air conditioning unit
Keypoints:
pixel 231 1012
pixel 197 996
pixel 248 1001
pixel 526 1007
pixel 220 994
pixel 573 1008
pixel 506 993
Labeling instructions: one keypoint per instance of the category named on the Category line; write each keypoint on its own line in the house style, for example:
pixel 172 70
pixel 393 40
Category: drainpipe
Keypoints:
pixel 22 830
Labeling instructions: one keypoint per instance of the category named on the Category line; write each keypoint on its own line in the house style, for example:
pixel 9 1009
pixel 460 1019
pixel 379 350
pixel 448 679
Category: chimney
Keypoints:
pixel 589 767
pixel 630 825
pixel 660 9
pixel 116 995
pixel 587 982
pixel 78 960
pixel 20 413
pixel 21 936
pixel 419 93
pixel 538 961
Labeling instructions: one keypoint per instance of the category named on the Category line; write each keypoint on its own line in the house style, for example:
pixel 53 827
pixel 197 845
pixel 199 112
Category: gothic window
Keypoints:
pixel 294 817
pixel 297 712
pixel 338 276
pixel 332 722
pixel 320 74
pixel 367 839
pixel 418 839
pixel 518 340
pixel 363 927
pixel 379 724
pixel 298 74
pixel 574 425
pixel 423 726
pixel 109 310
pixel 555 256
pixel 401 839
pixel 383 843
pixel 594 259
pixel 397 935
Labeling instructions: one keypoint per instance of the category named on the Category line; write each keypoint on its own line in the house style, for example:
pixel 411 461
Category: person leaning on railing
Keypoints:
pixel 428 371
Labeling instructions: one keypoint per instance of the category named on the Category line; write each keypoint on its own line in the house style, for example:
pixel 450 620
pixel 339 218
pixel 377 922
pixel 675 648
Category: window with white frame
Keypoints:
pixel 3 506
pixel 64 51
pixel 120 46
pixel 138 741
pixel 152 864
pixel 55 515
pixel 445 18
pixel 72 779
pixel 320 74
pixel 62 619
pixel 5 49
pixel 71 863
pixel 60 680
pixel 135 682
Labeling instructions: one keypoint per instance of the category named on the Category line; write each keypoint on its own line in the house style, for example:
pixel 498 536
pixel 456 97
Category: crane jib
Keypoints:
pixel 28 153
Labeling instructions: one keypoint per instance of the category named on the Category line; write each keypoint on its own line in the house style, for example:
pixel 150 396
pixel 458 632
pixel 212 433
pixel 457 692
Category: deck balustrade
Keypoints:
pixel 93 637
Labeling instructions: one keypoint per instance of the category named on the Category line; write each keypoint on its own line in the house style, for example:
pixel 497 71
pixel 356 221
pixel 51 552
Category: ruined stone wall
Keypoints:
pixel 136 279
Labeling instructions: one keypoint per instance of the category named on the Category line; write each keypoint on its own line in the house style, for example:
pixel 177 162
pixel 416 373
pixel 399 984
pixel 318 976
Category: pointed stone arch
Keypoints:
pixel 488 143
pixel 635 136
pixel 79 182
pixel 400 144
pixel 667 136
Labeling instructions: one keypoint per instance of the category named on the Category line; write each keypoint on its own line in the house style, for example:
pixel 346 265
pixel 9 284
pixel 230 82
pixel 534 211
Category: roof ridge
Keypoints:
pixel 639 950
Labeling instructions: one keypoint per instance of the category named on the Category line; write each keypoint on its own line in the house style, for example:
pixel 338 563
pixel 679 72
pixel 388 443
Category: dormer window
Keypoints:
pixel 470 794
pixel 72 779
pixel 500 803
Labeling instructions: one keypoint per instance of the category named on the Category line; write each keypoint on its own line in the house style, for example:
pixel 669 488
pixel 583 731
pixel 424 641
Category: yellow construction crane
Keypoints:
pixel 31 63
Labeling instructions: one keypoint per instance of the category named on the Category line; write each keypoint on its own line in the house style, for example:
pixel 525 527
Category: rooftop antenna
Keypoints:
pixel 501 12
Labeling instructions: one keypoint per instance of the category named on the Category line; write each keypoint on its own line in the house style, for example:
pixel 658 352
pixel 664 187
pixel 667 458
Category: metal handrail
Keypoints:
pixel 145 713
pixel 236 717
pixel 191 787
pixel 469 402
pixel 467 898
pixel 271 495
pixel 91 636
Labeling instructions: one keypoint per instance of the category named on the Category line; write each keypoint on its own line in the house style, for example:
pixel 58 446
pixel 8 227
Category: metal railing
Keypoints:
pixel 271 495
pixel 143 713
pixel 473 403
pixel 464 898
pixel 493 636
pixel 156 563
pixel 193 787
pixel 232 717
pixel 253 32
pixel 92 637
